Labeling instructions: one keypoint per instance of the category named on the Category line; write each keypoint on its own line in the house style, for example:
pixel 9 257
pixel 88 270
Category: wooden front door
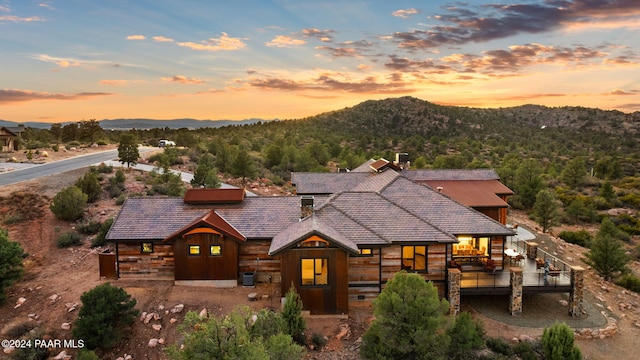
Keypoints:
pixel 206 256
pixel 320 277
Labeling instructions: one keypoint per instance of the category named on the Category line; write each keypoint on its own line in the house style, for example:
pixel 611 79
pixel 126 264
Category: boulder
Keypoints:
pixel 152 343
pixel 156 327
pixel 65 326
pixel 177 309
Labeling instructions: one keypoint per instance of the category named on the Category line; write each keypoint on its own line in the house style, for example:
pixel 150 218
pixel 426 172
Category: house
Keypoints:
pixel 338 242
pixel 8 140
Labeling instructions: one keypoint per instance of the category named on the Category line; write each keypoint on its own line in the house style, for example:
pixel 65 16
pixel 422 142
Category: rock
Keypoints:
pixel 161 341
pixel 173 320
pixel 160 307
pixel 156 327
pixel 65 326
pixel 156 316
pixel 152 343
pixel 127 357
pixel 53 298
pixel 515 340
pixel 203 313
pixel 71 306
pixel 148 318
pixel 8 350
pixel 177 309
pixel 527 338
pixel 564 302
pixel 20 302
pixel 120 358
pixel 62 355
pixel 143 316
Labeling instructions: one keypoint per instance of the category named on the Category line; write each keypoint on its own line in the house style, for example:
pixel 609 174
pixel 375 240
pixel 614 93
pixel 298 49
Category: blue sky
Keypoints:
pixel 73 60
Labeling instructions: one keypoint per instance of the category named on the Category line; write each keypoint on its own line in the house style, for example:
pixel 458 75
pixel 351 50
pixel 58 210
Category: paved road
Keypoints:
pixel 56 167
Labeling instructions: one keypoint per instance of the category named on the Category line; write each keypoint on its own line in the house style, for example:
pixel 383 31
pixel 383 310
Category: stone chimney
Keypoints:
pixel 306 206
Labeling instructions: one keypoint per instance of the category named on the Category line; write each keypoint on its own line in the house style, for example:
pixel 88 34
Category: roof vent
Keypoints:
pixel 439 188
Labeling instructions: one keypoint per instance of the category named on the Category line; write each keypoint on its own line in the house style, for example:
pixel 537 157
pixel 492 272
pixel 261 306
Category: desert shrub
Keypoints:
pixel 23 205
pixel 499 345
pixel 268 323
pixel 31 352
pixel 630 282
pixel 85 354
pixel 103 168
pixel 558 343
pixel 12 219
pixel 102 142
pixel 105 314
pixel 19 330
pixel 68 239
pixel 292 315
pixel 101 238
pixel 580 237
pixel 120 177
pixel 69 204
pixel 318 341
pixel 121 199
pixel 90 185
pixel 229 337
pixel 55 147
pixel 90 228
pixel 11 268
pixel 526 350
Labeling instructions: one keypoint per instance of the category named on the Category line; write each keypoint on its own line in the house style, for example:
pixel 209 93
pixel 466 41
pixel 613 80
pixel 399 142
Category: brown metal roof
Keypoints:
pixel 214 196
pixel 474 193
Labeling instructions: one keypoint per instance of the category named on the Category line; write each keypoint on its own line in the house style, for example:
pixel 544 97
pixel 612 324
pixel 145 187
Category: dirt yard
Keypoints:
pixel 48 295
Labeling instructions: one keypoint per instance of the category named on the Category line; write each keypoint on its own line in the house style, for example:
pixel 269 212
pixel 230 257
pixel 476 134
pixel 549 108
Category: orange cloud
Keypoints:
pixel 162 39
pixel 224 42
pixel 14 18
pixel 285 41
pixel 183 80
pixel 405 14
pixel 113 82
pixel 136 37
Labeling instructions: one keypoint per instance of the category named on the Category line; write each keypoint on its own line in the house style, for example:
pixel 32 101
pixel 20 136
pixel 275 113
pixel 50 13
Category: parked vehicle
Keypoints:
pixel 163 143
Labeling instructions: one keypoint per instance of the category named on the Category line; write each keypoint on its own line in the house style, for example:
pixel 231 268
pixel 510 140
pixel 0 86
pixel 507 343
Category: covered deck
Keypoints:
pixel 541 272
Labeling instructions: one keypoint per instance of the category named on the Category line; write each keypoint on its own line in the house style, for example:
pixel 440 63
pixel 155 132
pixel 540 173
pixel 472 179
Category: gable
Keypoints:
pixel 308 228
pixel 211 222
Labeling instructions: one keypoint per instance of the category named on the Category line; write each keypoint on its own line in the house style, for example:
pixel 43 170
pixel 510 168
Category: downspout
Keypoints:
pixel 380 270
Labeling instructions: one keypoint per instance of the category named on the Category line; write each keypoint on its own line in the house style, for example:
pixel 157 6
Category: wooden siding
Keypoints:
pixel 493 213
pixel 364 277
pixel 254 257
pixel 497 251
pixel 132 263
pixel 330 299
pixel 206 266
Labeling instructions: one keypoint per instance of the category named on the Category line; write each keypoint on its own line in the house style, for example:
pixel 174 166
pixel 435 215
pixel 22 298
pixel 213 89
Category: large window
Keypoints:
pixel 414 258
pixel 314 272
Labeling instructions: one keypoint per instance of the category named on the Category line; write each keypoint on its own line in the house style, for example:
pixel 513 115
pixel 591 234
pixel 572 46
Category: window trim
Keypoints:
pixel 142 247
pixel 190 247
pixel 211 253
pixel 315 272
pixel 365 252
pixel 426 258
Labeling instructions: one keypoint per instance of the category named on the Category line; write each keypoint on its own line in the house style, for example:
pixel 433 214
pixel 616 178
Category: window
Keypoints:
pixel 365 252
pixel 215 250
pixel 194 249
pixel 414 258
pixel 146 247
pixel 314 272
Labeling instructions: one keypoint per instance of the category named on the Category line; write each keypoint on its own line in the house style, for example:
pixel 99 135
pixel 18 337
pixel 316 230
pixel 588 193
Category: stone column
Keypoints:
pixel 577 292
pixel 455 277
pixel 532 249
pixel 515 301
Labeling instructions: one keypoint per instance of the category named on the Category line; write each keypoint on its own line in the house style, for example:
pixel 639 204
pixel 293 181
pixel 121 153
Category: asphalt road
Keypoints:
pixel 60 166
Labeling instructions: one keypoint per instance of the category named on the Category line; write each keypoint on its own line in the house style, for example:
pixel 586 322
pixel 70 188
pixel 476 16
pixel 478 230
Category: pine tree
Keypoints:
pixel 545 209
pixel 558 343
pixel 607 255
pixel 11 269
pixel 128 150
pixel 409 321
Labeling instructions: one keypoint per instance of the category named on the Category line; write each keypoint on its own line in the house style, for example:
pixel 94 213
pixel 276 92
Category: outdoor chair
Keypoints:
pixel 490 265
pixel 454 265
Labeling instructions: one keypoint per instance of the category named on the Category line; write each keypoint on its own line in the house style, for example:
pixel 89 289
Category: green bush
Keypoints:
pixel 630 282
pixel 19 330
pixel 558 343
pixel 268 323
pixel 106 313
pixel 69 239
pixel 121 199
pixel 31 352
pixel 292 315
pixel 580 237
pixel 90 228
pixel 69 204
pixel 499 345
pixel 318 341
pixel 90 185
pixel 466 336
pixel 101 238
pixel 11 268
pixel 85 354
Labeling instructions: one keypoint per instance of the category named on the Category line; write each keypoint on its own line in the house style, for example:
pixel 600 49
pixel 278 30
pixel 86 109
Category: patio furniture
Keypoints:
pixel 454 265
pixel 490 265
pixel 539 263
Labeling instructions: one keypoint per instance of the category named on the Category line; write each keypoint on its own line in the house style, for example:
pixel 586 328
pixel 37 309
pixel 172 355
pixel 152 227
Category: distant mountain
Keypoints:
pixel 123 124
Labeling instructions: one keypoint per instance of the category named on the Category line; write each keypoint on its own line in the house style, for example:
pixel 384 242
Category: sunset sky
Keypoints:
pixel 69 60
